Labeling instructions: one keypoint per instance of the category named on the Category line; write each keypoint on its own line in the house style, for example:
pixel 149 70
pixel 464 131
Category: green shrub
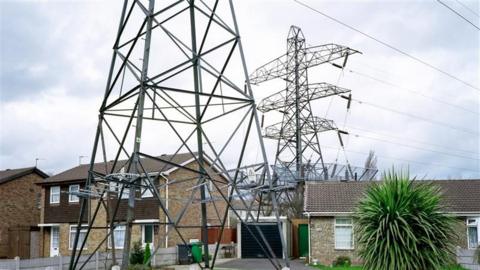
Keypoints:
pixel 147 255
pixel 400 225
pixel 138 267
pixel 137 253
pixel 342 261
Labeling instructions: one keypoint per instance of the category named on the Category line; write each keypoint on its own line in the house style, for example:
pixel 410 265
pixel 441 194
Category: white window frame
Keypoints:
pixel 117 228
pixel 83 228
pixel 143 235
pixel 335 226
pixel 475 224
pixel 56 193
pixel 208 189
pixel 73 198
pixel 116 187
pixel 146 192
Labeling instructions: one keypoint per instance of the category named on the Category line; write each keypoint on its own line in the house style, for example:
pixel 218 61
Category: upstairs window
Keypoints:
pixel 55 194
pixel 71 197
pixel 117 187
pixel 343 233
pixel 146 192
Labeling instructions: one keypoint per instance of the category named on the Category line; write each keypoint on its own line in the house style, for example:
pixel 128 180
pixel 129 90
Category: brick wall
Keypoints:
pixel 461 233
pixel 18 206
pixel 178 193
pixel 322 242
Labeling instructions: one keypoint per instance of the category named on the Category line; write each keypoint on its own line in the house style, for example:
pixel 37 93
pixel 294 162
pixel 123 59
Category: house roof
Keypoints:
pixel 330 198
pixel 80 172
pixel 12 174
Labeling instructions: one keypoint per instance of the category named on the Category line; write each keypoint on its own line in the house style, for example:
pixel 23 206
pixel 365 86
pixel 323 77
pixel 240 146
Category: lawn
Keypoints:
pixel 357 267
pixel 353 267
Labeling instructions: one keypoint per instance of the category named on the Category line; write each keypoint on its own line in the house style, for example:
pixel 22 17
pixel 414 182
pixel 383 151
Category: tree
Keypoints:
pixel 400 225
pixel 137 254
pixel 147 255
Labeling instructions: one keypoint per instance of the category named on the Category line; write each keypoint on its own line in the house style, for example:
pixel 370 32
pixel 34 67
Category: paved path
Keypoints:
pixel 259 264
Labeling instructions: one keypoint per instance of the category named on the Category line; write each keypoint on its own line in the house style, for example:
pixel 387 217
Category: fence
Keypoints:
pixel 466 257
pixel 99 261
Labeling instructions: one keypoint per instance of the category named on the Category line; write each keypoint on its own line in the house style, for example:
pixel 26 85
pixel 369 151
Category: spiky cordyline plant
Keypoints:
pixel 400 226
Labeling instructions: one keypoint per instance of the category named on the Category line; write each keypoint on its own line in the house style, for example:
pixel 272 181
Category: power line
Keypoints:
pixel 405 160
pixel 416 117
pixel 411 91
pixel 467 8
pixel 458 14
pixel 413 147
pixel 389 46
pixel 413 140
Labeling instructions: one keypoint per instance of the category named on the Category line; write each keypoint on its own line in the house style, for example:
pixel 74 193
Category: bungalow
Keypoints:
pixel 329 207
pixel 60 208
pixel 19 212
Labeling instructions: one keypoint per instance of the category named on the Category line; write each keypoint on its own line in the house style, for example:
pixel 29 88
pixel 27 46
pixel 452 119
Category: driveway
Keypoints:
pixel 259 264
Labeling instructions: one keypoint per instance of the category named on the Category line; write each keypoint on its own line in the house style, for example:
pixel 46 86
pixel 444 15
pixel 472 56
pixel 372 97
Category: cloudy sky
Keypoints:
pixel 55 57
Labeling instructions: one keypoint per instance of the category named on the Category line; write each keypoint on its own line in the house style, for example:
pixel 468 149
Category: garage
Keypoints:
pixel 251 248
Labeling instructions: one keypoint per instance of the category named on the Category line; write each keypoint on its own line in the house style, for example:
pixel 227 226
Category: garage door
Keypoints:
pixel 251 248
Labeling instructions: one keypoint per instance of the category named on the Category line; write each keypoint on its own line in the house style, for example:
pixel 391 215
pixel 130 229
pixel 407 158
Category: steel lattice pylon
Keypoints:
pixel 299 155
pixel 174 85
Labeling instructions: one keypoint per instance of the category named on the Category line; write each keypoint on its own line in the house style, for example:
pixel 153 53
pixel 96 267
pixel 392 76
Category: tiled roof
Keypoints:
pixel 11 174
pixel 325 198
pixel 150 165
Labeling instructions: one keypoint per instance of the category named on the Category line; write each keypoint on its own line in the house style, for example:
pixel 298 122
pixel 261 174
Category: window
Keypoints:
pixel 472 232
pixel 116 188
pixel 147 235
pixel 119 237
pixel 55 194
pixel 71 197
pixel 343 233
pixel 208 187
pixel 81 237
pixel 146 192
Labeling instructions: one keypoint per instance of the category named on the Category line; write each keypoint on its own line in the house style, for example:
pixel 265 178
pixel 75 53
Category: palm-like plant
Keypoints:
pixel 400 225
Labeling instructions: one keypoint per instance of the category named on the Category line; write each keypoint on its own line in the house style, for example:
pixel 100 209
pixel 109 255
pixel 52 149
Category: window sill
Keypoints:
pixel 54 203
pixel 344 249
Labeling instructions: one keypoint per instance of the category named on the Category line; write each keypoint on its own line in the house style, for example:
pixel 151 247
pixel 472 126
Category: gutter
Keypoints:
pixel 328 214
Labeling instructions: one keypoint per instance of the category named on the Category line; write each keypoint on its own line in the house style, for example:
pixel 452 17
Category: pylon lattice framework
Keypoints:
pixel 174 85
pixel 299 156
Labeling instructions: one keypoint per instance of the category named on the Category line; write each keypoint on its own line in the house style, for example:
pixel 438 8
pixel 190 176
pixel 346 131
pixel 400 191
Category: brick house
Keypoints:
pixel 329 207
pixel 60 210
pixel 19 211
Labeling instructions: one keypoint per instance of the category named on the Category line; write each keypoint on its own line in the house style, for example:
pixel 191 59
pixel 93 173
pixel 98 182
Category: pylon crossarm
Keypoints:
pixel 317 55
pixel 271 70
pixel 280 101
pixel 288 131
pixel 313 56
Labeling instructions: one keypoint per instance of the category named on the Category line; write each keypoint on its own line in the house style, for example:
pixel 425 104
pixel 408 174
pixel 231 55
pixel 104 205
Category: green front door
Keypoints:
pixel 303 240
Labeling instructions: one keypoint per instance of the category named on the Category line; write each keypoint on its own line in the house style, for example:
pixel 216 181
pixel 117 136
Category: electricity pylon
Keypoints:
pixel 175 85
pixel 299 155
